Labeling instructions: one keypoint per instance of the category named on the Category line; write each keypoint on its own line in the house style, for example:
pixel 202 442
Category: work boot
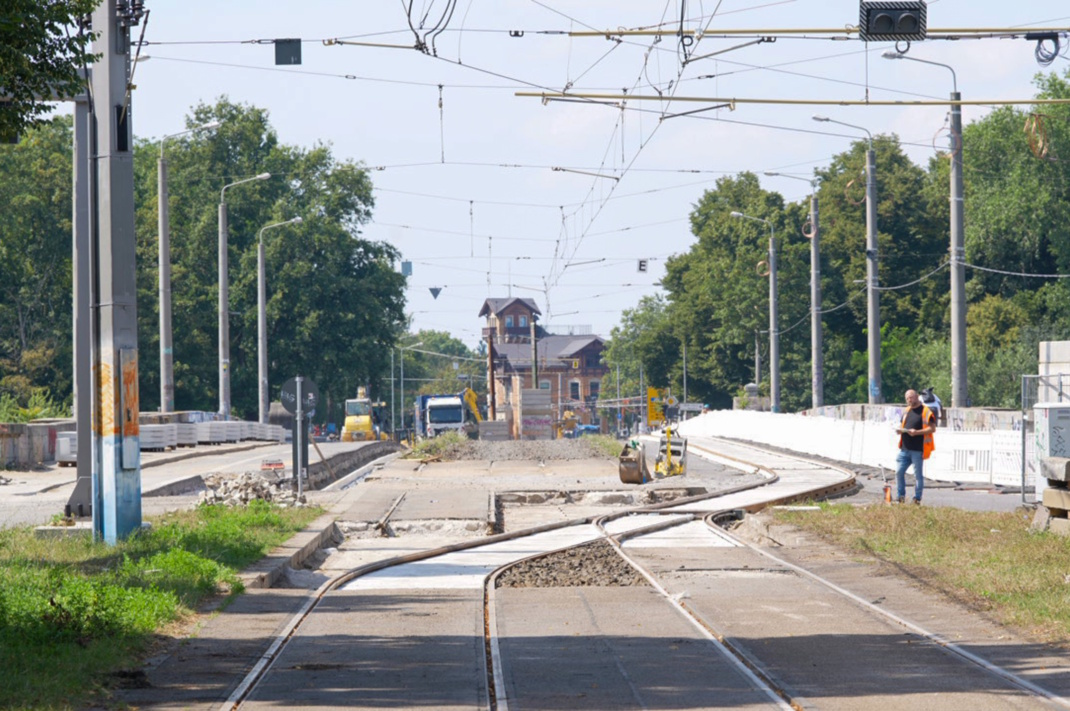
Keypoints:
pixel 901 500
pixel 917 502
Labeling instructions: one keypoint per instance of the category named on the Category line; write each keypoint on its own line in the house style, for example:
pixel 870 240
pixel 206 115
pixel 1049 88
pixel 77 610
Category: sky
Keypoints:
pixel 491 194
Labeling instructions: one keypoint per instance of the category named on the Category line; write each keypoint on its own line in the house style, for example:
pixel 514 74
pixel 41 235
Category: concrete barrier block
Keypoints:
pixel 1060 526
pixel 1057 500
pixel 1055 468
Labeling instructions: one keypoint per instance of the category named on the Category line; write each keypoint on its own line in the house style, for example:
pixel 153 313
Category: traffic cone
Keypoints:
pixel 887 494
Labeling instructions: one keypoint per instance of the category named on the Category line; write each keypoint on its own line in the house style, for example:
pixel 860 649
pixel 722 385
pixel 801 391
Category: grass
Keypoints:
pixel 988 560
pixel 73 612
pixel 604 445
pixel 446 445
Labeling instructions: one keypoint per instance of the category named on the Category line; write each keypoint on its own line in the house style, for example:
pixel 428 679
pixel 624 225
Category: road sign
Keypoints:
pixel 692 407
pixel 289 396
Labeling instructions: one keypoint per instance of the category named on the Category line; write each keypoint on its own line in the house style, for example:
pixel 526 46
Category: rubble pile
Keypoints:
pixel 240 490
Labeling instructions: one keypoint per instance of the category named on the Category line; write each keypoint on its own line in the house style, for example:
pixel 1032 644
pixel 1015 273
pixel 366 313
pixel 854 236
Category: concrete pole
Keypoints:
pixel 817 357
pixel 774 326
pixel 873 320
pixel 116 446
pixel 261 319
pixel 167 378
pixel 685 371
pixel 81 499
pixel 959 392
pixel 757 359
pixel 261 330
pixel 224 316
pixel 224 299
pixel 393 428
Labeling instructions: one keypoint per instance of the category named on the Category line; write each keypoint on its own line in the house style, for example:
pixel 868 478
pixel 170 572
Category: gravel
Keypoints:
pixel 595 564
pixel 531 450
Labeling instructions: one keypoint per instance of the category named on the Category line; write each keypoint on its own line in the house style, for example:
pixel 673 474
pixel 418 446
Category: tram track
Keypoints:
pixel 786 478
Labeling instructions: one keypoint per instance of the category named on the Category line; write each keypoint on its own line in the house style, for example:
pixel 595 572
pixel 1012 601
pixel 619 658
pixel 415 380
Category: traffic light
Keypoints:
pixel 880 21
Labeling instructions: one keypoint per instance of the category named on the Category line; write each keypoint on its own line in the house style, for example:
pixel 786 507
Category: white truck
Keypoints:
pixel 436 414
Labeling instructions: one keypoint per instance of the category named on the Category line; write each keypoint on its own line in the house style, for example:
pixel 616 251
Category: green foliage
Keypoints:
pixel 40 54
pixel 72 611
pixel 334 300
pixel 430 374
pixel 1017 176
pixel 35 262
pixel 40 406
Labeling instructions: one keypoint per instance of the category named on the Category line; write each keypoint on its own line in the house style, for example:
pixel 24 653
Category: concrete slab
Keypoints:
pixel 610 648
pixel 396 648
pixel 857 660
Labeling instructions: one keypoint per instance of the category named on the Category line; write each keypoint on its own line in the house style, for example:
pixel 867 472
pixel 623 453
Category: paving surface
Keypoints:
pixel 389 642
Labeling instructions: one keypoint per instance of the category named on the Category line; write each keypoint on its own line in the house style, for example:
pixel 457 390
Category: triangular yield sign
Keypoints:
pixel 435 291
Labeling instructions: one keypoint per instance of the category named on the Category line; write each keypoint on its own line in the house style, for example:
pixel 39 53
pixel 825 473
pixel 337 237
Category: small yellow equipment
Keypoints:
pixel 672 454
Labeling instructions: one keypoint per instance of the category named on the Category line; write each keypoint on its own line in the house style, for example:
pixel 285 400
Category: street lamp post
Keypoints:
pixel 402 350
pixel 959 390
pixel 224 301
pixel 167 375
pixel 817 357
pixel 261 316
pixel 873 319
pixel 774 330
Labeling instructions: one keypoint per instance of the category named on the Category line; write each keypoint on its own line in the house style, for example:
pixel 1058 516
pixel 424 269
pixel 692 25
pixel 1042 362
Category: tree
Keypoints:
pixel 35 262
pixel 40 58
pixel 335 302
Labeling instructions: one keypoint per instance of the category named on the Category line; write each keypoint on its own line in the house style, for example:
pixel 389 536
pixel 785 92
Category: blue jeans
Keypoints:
pixel 905 459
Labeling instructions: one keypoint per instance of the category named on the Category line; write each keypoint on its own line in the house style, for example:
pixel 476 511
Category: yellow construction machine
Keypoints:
pixel 672 454
pixel 364 419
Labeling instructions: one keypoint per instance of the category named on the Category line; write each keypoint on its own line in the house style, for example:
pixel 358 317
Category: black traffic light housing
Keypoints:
pixel 880 21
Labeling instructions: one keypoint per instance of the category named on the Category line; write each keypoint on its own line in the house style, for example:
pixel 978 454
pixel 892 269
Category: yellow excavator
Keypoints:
pixel 364 420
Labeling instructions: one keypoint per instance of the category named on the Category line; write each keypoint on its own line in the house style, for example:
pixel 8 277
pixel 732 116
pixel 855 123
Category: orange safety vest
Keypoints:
pixel 927 417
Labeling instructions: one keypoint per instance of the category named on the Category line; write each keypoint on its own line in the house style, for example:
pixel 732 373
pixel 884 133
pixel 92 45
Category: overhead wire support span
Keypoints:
pixel 846 32
pixel 552 96
pixel 585 172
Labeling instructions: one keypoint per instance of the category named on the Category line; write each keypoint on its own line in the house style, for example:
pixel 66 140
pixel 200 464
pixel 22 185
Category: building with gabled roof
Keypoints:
pixel 569 365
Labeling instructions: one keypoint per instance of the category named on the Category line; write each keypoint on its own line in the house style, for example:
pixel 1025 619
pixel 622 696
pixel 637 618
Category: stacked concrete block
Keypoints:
pixel 1056 497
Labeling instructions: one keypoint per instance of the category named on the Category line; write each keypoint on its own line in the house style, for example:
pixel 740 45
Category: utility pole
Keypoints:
pixel 113 304
pixel 959 391
pixel 873 320
pixel 817 359
pixel 873 310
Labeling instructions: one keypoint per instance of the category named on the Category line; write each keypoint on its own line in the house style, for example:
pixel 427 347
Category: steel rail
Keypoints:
pixel 264 664
pixel 936 639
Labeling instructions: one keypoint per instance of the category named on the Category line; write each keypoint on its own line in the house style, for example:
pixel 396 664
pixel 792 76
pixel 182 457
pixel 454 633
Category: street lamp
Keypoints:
pixel 873 320
pixel 402 350
pixel 167 375
pixel 224 301
pixel 959 392
pixel 774 330
pixel 261 316
pixel 817 358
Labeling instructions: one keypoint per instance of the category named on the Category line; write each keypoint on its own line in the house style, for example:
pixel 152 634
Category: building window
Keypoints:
pixel 508 321
pixel 544 385
pixel 594 389
pixel 574 390
pixel 523 322
pixel 594 361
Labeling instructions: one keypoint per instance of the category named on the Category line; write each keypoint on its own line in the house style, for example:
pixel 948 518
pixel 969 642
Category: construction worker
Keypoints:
pixel 915 444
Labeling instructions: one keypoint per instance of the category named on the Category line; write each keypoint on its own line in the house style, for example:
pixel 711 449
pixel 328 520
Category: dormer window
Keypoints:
pixel 523 322
pixel 508 321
